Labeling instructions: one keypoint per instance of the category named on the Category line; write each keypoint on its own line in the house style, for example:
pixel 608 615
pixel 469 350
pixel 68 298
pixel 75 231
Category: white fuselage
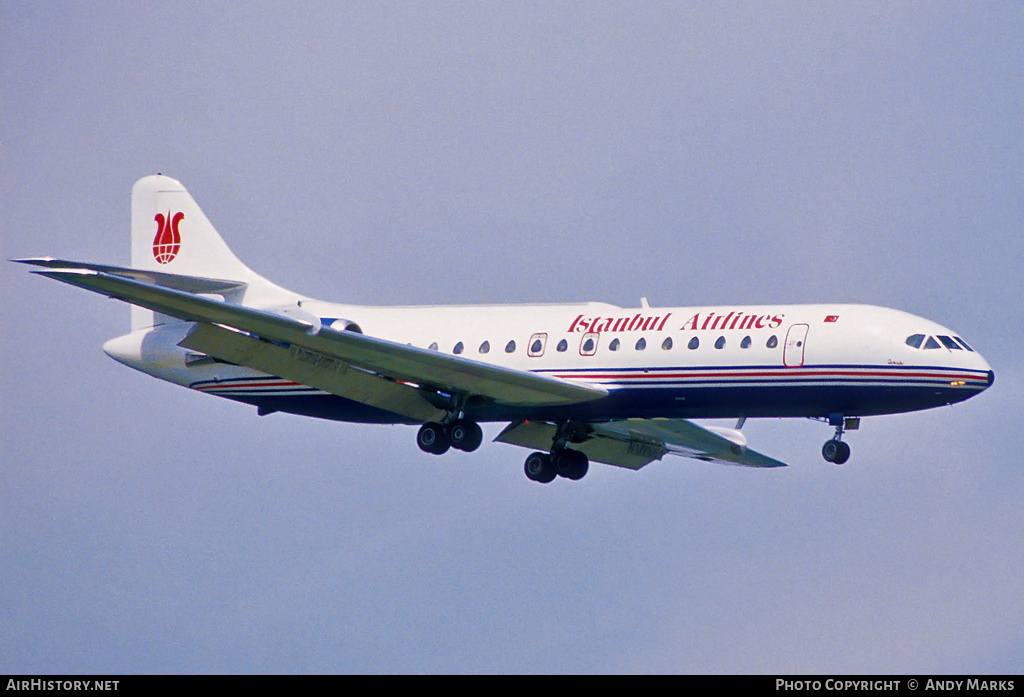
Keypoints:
pixel 690 362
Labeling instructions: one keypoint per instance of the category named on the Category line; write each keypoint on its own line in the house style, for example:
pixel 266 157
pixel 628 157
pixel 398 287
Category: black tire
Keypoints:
pixel 572 464
pixel 843 455
pixel 465 435
pixel 830 450
pixel 539 468
pixel 433 439
pixel 835 451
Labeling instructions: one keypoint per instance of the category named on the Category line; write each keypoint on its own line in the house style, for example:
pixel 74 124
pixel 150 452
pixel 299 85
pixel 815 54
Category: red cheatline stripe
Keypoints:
pixel 775 373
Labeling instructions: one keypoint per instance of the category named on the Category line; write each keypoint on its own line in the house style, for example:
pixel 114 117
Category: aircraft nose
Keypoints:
pixel 991 377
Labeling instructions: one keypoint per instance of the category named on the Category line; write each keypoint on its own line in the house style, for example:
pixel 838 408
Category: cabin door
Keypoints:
pixel 796 341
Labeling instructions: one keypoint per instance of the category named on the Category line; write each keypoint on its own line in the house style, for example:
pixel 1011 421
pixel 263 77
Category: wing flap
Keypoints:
pixel 451 374
pixel 629 453
pixel 683 437
pixel 633 443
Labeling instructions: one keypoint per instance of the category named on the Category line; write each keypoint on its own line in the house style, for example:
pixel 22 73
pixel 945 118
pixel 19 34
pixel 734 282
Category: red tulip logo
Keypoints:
pixel 167 241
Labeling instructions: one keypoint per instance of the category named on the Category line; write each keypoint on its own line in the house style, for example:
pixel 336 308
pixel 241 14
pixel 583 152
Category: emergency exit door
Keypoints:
pixel 796 342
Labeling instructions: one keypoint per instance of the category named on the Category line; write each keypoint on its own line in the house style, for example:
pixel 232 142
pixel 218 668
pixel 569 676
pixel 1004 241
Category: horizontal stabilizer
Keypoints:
pixel 188 284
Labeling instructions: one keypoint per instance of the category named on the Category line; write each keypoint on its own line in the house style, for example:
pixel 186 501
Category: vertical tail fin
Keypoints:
pixel 171 234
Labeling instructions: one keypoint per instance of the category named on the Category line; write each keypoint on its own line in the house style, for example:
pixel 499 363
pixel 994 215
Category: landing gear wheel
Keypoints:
pixel 571 464
pixel 433 439
pixel 835 451
pixel 539 468
pixel 465 435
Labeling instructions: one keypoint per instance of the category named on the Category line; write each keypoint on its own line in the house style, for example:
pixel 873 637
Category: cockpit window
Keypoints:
pixel 948 342
pixel 915 340
pixel 931 343
pixel 962 343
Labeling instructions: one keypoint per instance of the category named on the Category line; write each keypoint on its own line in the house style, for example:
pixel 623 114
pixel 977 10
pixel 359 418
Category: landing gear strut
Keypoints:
pixel 836 451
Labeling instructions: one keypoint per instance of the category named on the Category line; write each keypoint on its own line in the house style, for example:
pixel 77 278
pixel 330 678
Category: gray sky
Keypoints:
pixel 485 152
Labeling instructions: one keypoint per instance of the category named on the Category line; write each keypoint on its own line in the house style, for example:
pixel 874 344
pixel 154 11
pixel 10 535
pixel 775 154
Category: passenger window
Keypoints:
pixel 510 347
pixel 458 348
pixel 614 346
pixel 485 347
pixel 589 344
pixel 915 340
pixel 949 343
pixel 773 341
pixel 667 343
pixel 720 343
pixel 641 344
pixel 694 343
pixel 537 343
pixel 563 346
pixel 745 343
pixel 931 343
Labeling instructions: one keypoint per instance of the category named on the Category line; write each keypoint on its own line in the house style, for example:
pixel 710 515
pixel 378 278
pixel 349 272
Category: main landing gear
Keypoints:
pixel 836 451
pixel 560 462
pixel 461 434
pixel 544 467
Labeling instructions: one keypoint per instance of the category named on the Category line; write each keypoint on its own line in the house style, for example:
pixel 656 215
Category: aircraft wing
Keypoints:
pixel 633 443
pixel 295 346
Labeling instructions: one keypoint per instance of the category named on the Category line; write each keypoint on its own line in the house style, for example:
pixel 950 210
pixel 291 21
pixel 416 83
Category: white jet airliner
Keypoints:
pixel 577 382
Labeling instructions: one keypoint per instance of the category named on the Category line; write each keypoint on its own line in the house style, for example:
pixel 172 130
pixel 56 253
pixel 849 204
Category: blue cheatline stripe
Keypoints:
pixel 679 377
pixel 776 375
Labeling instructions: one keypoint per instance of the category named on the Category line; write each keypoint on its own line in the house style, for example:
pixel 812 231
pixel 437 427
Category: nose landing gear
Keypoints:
pixel 836 451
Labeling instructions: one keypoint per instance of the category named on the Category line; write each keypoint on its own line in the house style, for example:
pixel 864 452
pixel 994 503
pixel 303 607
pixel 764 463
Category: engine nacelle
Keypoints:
pixel 345 325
